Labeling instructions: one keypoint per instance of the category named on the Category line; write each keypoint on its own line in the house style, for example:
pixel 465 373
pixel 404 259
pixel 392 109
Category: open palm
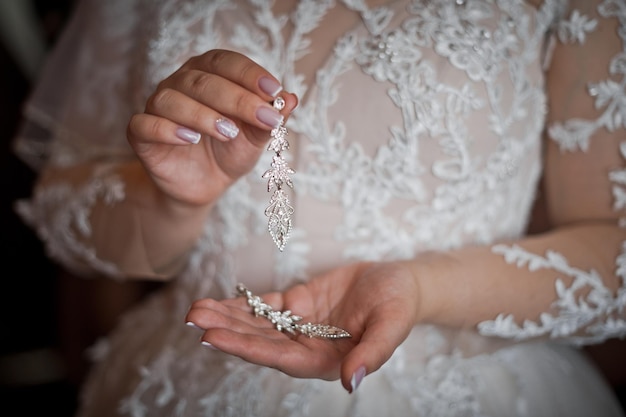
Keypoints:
pixel 375 303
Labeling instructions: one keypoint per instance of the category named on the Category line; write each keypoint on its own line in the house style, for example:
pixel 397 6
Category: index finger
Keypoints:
pixel 239 69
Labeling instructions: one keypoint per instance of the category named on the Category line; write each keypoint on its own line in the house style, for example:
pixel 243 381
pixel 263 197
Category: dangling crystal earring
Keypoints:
pixel 279 210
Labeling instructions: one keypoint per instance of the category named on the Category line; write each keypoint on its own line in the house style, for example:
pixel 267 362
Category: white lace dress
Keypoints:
pixel 419 127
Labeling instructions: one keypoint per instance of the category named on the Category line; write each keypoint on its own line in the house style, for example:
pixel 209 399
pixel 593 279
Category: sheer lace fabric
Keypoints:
pixel 419 128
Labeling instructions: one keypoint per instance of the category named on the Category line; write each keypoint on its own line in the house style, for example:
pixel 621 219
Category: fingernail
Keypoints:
pixel 357 377
pixel 270 86
pixel 269 116
pixel 192 324
pixel 227 128
pixel 207 344
pixel 188 135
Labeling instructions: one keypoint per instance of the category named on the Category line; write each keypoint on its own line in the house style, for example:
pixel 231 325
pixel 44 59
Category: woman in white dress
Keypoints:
pixel 419 131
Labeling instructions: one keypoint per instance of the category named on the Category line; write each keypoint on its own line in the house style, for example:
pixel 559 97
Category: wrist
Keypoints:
pixel 178 211
pixel 432 272
pixel 148 197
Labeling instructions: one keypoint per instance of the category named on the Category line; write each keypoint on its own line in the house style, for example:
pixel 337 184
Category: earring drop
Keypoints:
pixel 279 211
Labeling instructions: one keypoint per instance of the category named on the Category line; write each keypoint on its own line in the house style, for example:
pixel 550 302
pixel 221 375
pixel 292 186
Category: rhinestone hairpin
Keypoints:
pixel 279 209
pixel 284 320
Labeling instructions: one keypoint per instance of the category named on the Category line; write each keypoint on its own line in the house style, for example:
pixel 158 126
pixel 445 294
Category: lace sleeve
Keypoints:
pixel 586 310
pixel 60 216
pixel 87 89
pixel 78 112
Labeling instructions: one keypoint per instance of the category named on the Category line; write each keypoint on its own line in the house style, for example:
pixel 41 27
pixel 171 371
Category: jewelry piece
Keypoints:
pixel 284 320
pixel 279 210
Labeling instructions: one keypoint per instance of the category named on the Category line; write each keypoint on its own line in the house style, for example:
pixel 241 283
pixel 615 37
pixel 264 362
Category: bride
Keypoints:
pixel 387 196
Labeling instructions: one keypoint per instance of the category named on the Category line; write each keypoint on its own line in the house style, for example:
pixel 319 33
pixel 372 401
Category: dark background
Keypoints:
pixel 32 374
pixel 49 317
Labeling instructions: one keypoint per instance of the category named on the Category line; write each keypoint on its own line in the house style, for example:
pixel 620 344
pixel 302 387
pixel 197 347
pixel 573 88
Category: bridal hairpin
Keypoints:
pixel 284 320
pixel 279 210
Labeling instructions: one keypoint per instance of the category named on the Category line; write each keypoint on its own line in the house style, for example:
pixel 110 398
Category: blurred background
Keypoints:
pixel 33 376
pixel 48 317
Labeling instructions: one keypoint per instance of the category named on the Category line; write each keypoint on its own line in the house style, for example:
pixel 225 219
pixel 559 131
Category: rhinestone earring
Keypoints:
pixel 279 211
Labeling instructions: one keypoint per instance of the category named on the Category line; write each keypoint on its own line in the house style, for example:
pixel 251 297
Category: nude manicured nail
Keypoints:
pixel 270 86
pixel 357 377
pixel 269 116
pixel 208 345
pixel 227 128
pixel 192 324
pixel 188 135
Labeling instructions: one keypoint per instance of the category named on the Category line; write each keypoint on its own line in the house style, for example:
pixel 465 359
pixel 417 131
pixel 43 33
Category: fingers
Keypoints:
pixel 300 357
pixel 187 112
pixel 208 313
pixel 233 314
pixel 375 347
pixel 213 95
pixel 234 330
pixel 219 96
pixel 216 87
pixel 240 70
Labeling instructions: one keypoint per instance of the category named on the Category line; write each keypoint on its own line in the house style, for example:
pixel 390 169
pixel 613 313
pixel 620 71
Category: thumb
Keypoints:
pixel 376 346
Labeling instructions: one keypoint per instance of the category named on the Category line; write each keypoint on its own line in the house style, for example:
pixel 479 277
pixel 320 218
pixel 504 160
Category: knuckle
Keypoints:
pixel 133 124
pixel 195 305
pixel 156 128
pixel 143 128
pixel 197 115
pixel 160 99
pixel 247 68
pixel 201 81
pixel 191 62
pixel 132 129
pixel 241 103
pixel 217 57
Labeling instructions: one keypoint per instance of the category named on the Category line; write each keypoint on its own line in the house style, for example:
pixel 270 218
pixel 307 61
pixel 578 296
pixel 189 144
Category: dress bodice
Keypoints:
pixel 419 128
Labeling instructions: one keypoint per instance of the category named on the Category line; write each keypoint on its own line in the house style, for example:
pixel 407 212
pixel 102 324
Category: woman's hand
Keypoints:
pixel 377 303
pixel 206 125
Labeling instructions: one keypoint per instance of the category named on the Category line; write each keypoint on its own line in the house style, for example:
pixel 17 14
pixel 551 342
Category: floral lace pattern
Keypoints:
pixel 598 315
pixel 66 213
pixel 456 161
